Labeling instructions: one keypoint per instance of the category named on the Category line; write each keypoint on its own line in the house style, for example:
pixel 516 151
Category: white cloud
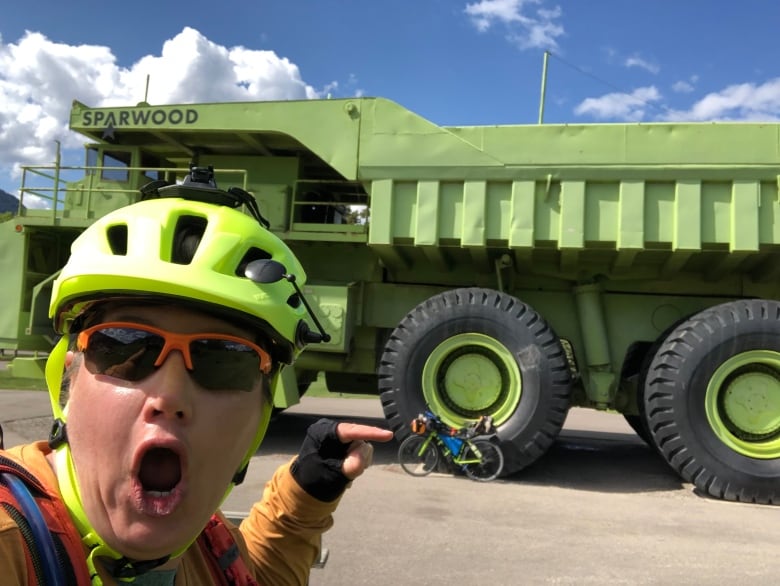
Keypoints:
pixel 636 61
pixel 39 79
pixel 620 106
pixel 746 101
pixel 682 87
pixel 537 31
pixel 685 86
pixel 738 102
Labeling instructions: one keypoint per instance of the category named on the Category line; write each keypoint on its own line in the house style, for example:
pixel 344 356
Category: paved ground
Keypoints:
pixel 599 508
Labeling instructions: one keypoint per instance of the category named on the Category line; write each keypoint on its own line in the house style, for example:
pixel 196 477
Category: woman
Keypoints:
pixel 169 358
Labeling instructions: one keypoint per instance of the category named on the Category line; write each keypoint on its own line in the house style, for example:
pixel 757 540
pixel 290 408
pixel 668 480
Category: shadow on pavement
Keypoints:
pixel 617 463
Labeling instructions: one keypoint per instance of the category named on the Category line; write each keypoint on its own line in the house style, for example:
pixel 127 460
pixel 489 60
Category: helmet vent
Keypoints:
pixel 186 238
pixel 252 254
pixel 117 239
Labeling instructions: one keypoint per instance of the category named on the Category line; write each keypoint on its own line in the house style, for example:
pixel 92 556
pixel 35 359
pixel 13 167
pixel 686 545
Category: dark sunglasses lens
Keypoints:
pixel 124 353
pixel 224 365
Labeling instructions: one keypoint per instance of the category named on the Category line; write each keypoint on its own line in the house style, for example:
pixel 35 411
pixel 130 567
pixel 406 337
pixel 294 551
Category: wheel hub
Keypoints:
pixel 751 402
pixel 471 381
pixel 742 403
pixel 469 375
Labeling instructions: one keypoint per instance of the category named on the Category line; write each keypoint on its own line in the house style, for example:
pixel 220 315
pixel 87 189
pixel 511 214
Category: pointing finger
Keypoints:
pixel 349 432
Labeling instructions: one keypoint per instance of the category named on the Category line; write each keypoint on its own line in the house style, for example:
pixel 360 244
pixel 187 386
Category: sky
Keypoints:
pixel 455 62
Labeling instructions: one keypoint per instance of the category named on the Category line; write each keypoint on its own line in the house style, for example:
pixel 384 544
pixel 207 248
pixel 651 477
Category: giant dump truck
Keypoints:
pixel 512 271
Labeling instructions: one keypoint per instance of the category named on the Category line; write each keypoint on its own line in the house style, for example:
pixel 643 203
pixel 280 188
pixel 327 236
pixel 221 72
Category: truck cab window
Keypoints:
pixel 91 161
pixel 151 165
pixel 115 159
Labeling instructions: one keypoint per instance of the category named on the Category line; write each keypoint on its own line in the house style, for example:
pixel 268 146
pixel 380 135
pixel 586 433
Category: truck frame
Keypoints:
pixel 512 271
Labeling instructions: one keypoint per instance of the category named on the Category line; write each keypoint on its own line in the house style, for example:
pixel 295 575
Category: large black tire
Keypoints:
pixel 639 424
pixel 712 400
pixel 635 365
pixel 471 352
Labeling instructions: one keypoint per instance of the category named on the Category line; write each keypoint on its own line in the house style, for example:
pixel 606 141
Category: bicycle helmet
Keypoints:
pixel 187 251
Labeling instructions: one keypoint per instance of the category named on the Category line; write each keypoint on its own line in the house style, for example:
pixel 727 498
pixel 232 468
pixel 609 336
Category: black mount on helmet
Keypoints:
pixel 200 185
pixel 270 271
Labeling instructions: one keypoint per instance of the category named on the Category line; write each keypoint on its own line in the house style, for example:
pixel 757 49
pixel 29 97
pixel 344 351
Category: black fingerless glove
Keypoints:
pixel 318 465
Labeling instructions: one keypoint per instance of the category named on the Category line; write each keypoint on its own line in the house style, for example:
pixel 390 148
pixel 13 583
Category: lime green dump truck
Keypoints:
pixel 512 271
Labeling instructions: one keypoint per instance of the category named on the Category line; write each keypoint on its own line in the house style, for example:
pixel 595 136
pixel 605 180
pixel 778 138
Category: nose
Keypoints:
pixel 170 390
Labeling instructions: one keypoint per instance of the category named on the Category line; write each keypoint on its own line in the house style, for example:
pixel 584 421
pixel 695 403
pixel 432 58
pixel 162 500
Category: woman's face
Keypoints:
pixel 154 457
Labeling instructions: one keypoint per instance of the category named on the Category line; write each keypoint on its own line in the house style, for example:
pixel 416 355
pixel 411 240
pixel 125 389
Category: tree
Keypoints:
pixel 356 215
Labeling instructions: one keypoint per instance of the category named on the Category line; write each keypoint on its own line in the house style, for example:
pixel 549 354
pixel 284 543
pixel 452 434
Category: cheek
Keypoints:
pixel 235 420
pixel 99 410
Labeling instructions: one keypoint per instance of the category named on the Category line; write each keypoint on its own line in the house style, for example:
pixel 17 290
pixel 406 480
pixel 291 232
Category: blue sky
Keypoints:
pixel 456 62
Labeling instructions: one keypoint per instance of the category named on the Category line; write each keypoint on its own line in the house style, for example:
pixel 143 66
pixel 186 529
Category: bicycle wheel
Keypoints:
pixel 418 455
pixel 491 460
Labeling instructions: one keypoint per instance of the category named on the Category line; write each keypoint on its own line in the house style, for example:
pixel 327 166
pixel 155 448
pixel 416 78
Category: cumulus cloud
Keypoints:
pixel 636 61
pixel 738 102
pixel 540 30
pixel 745 101
pixel 620 106
pixel 39 79
pixel 685 86
pixel 682 87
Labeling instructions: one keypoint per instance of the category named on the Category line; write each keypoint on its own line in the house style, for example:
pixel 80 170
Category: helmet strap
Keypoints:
pixel 55 369
pixel 262 427
pixel 119 566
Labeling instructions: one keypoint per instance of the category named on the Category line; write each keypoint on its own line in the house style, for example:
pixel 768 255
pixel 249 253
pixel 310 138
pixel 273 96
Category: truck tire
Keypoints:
pixel 471 352
pixel 713 400
pixel 635 366
pixel 639 426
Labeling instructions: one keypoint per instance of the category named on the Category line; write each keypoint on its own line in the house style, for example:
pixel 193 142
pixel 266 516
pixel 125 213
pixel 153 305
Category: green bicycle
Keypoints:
pixel 469 448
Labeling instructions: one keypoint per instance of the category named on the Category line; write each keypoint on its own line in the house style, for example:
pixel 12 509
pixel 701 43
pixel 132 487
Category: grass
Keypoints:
pixel 8 382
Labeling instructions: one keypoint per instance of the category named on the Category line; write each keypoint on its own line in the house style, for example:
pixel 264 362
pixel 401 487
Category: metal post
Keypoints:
pixel 544 87
pixel 57 161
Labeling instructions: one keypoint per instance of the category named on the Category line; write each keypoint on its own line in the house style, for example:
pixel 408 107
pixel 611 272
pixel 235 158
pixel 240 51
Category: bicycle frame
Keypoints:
pixel 452 448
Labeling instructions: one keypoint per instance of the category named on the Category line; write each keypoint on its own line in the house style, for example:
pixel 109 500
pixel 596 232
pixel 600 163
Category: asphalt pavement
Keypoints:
pixel 599 508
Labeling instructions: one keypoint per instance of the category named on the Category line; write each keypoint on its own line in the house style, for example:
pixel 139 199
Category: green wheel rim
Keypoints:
pixel 743 403
pixel 469 375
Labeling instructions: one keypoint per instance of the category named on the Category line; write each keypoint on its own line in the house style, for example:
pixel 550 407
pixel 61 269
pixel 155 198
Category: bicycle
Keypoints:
pixel 469 448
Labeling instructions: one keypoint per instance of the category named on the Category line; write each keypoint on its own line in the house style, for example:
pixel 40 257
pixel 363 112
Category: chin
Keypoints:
pixel 156 539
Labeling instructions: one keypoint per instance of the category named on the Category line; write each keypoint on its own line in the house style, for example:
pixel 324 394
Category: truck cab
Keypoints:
pixel 112 178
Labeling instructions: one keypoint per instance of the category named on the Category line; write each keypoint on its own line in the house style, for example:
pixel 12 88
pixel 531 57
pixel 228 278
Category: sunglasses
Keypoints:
pixel 131 352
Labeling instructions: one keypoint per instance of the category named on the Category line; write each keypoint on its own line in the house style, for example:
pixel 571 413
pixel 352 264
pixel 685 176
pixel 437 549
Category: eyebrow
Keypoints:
pixel 129 317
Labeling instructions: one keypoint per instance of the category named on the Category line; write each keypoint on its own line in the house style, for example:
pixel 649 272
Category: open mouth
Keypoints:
pixel 160 471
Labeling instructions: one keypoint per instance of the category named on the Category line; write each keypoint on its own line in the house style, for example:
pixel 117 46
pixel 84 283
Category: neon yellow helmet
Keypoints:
pixel 194 252
pixel 185 250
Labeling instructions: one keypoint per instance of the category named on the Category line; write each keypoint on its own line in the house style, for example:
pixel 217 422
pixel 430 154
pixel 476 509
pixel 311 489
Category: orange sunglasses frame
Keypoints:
pixel 175 341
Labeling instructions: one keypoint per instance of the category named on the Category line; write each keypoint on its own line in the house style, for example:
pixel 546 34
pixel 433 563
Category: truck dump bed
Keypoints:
pixel 629 200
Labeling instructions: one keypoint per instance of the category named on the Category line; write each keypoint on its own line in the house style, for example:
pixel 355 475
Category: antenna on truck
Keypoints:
pixel 544 87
